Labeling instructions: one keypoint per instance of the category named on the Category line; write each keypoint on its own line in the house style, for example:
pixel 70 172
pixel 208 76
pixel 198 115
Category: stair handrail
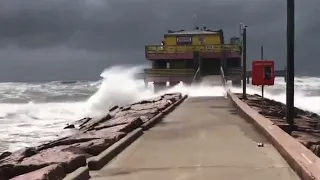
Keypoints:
pixel 223 78
pixel 195 75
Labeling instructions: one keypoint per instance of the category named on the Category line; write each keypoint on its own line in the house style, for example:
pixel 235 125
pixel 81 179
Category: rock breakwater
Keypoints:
pixel 55 159
pixel 307 124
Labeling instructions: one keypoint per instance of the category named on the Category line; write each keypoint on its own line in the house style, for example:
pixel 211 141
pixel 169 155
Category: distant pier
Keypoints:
pixel 278 73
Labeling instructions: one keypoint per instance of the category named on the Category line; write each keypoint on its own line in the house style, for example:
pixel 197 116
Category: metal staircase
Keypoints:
pixel 234 74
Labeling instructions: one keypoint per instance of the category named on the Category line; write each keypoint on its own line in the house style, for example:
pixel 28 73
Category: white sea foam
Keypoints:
pixel 33 113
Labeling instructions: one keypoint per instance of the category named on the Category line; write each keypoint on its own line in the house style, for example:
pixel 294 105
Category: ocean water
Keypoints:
pixel 33 113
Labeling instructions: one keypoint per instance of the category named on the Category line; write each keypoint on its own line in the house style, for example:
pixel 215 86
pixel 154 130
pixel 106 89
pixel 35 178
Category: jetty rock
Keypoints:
pixel 307 124
pixel 55 159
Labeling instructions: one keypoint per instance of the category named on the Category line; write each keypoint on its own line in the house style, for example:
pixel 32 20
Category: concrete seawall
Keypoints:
pixel 101 140
pixel 305 163
pixel 301 159
pixel 203 138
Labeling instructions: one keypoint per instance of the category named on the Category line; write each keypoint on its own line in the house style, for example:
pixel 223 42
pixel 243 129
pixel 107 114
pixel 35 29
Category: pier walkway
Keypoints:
pixel 203 138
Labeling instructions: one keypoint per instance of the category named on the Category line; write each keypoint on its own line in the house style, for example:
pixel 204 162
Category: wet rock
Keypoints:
pixel 94 135
pixel 109 135
pixel 130 123
pixel 5 154
pixel 96 146
pixel 144 102
pixel 94 121
pixel 133 115
pixel 313 115
pixel 18 156
pixel 70 126
pixel 138 113
pixel 307 124
pixel 69 157
pixel 83 121
pixel 274 113
pixel 126 108
pixel 54 171
pixel 315 148
pixel 92 142
pixel 113 108
pixel 8 171
pixel 30 152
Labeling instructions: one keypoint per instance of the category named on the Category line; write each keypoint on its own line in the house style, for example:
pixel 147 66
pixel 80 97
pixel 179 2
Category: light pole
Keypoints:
pixel 244 60
pixel 290 65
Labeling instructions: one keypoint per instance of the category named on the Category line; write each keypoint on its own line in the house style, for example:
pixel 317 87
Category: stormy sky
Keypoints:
pixel 77 39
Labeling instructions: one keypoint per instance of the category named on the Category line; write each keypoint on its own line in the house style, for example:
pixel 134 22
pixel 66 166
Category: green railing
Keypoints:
pixel 169 72
pixel 151 49
pixel 223 78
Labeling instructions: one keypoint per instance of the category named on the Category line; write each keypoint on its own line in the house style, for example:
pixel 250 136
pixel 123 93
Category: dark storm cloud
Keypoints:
pixel 100 25
pixel 72 35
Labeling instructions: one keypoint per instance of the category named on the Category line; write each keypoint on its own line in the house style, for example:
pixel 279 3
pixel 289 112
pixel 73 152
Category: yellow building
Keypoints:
pixel 186 52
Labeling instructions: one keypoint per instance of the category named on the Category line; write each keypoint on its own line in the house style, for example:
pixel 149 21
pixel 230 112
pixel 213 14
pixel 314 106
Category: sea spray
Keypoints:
pixel 301 100
pixel 118 87
pixel 56 104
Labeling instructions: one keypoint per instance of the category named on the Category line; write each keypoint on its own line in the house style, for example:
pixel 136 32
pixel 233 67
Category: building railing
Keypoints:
pixel 151 49
pixel 169 72
pixel 196 75
pixel 223 78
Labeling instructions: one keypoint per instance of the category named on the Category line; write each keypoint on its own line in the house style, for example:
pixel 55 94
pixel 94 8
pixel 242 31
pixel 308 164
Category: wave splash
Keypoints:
pixel 53 105
pixel 120 87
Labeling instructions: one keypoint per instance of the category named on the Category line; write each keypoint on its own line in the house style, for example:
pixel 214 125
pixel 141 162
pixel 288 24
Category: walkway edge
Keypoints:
pixel 302 160
pixel 82 173
pixel 97 162
pixel 149 124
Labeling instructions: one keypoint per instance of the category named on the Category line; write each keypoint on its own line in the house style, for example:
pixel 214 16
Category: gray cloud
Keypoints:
pixel 78 38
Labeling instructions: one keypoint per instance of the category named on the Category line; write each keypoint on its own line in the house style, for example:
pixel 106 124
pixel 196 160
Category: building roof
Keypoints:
pixel 192 32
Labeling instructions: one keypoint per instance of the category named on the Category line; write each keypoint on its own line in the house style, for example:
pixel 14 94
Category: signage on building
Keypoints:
pixel 210 47
pixel 184 40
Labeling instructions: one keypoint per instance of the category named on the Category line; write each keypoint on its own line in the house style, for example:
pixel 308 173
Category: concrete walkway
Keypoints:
pixel 202 139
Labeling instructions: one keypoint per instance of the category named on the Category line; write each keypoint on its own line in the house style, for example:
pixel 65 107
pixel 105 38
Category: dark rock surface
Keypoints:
pixel 54 171
pixel 70 126
pixel 53 160
pixel 307 124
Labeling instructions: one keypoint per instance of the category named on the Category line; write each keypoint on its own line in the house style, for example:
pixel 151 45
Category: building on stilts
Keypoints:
pixel 184 54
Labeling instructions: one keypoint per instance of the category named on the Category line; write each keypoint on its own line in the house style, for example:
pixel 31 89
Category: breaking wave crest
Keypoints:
pixel 119 86
pixel 33 113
